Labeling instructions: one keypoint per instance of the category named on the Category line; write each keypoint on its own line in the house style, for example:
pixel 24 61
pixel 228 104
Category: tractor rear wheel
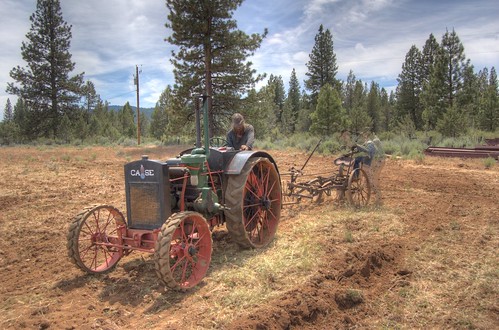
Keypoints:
pixel 94 238
pixel 359 188
pixel 253 199
pixel 183 250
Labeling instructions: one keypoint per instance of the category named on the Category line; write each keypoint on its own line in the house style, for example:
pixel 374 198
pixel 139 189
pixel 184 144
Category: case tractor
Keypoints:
pixel 172 207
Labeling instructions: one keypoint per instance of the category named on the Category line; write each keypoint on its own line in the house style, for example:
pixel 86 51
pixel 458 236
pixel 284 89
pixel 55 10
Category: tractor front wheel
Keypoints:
pixel 183 250
pixel 253 199
pixel 94 239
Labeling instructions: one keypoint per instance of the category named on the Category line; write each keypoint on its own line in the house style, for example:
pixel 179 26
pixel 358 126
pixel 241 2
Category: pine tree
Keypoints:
pixel 454 58
pixel 8 114
pixel 45 85
pixel 160 116
pixel 322 67
pixel 386 111
pixel 358 118
pixel 428 57
pixel 90 96
pixel 373 106
pixel 410 87
pixel 468 96
pixel 292 108
pixel 276 83
pixel 489 104
pixel 259 111
pixel 212 55
pixel 8 128
pixel 452 123
pixel 350 91
pixel 127 120
pixel 330 116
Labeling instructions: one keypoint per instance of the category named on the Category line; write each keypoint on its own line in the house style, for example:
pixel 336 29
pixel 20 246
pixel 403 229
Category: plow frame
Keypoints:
pixel 354 184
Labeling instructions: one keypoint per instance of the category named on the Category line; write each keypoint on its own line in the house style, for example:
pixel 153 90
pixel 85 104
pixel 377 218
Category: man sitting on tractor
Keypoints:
pixel 242 135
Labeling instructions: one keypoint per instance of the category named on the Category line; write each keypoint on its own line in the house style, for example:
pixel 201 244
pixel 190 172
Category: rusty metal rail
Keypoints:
pixel 477 152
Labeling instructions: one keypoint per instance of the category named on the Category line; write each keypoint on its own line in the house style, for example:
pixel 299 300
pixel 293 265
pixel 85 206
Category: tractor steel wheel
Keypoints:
pixel 94 239
pixel 183 250
pixel 359 188
pixel 253 199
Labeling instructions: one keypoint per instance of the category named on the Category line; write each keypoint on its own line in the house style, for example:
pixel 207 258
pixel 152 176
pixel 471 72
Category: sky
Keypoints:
pixel 370 37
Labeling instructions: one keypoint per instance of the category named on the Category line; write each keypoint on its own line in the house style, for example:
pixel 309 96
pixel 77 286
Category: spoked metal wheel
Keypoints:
pixel 183 250
pixel 359 188
pixel 94 239
pixel 254 201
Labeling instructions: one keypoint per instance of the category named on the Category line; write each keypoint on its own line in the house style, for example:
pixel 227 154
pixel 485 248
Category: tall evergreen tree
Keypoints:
pixel 45 84
pixel 373 106
pixel 410 86
pixel 349 91
pixel 428 58
pixel 127 120
pixel 160 115
pixel 469 95
pixel 8 114
pixel 454 59
pixel 386 111
pixel 292 108
pixel 259 111
pixel 322 67
pixel 212 55
pixel 330 116
pixel 91 98
pixel 276 83
pixel 359 119
pixel 489 104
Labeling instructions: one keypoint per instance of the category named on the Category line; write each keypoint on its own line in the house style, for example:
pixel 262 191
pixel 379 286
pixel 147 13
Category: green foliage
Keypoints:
pixel 329 116
pixel 212 50
pixel 452 123
pixel 322 67
pixel 161 113
pixel 489 162
pixel 289 118
pixel 410 87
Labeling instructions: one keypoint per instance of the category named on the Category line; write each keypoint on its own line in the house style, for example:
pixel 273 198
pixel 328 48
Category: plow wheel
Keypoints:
pixel 254 201
pixel 317 191
pixel 183 250
pixel 359 188
pixel 94 239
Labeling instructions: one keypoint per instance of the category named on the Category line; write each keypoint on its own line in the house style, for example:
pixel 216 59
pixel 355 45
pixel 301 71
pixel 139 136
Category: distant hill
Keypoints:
pixel 147 111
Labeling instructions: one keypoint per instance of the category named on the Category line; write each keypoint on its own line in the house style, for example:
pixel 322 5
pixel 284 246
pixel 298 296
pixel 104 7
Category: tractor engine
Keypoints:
pixel 148 195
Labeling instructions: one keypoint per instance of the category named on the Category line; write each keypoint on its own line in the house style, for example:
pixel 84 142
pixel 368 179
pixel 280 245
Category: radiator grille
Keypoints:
pixel 144 204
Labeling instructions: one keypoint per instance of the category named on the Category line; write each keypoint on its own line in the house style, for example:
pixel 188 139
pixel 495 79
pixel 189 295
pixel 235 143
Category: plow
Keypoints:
pixel 173 206
pixel 343 183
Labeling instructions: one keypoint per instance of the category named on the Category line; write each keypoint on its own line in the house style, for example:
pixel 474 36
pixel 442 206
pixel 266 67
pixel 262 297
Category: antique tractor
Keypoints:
pixel 173 206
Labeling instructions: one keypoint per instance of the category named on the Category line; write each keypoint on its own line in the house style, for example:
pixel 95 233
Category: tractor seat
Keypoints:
pixel 343 160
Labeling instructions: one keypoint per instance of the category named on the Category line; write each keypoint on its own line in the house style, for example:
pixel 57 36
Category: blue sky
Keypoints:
pixel 371 38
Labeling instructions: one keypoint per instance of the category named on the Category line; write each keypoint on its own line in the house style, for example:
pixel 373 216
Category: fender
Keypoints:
pixel 239 160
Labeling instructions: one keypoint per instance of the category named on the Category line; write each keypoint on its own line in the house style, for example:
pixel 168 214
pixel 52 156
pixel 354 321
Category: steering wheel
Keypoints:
pixel 218 142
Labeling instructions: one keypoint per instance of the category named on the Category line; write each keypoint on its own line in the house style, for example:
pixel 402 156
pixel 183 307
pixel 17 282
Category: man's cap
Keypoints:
pixel 237 120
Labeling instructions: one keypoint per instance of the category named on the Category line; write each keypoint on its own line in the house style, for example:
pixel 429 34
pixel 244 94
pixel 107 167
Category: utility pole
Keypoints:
pixel 136 81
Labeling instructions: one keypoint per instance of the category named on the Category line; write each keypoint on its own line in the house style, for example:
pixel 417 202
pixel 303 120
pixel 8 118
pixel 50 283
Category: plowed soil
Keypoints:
pixel 426 259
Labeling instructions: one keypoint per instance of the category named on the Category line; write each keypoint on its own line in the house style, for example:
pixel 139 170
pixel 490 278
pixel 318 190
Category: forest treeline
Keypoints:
pixel 439 90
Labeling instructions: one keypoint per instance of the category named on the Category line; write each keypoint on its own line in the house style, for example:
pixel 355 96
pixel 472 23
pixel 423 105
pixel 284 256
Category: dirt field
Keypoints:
pixel 427 259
